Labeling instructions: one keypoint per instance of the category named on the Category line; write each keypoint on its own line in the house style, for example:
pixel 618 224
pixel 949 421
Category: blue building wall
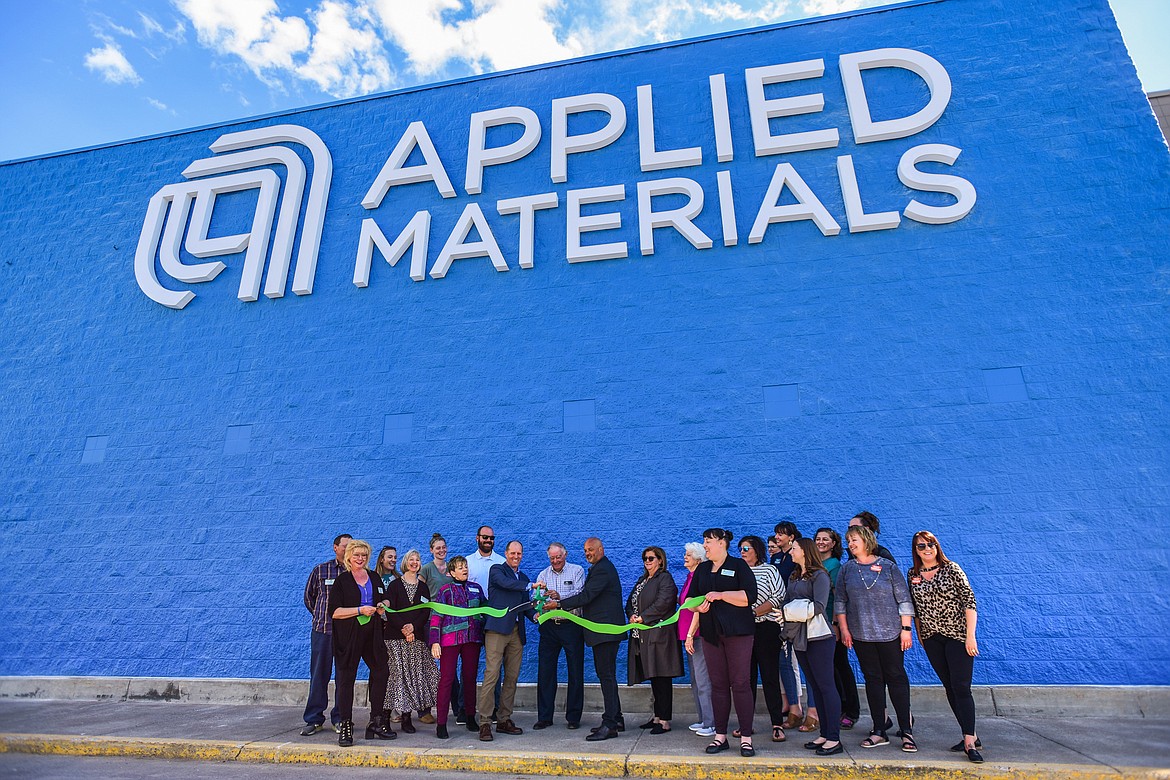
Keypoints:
pixel 1000 380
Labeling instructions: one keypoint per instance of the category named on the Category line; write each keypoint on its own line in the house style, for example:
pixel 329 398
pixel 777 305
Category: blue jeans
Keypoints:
pixel 320 670
pixel 788 676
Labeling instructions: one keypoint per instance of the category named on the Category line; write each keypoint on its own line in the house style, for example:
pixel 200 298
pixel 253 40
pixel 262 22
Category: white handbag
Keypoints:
pixel 799 611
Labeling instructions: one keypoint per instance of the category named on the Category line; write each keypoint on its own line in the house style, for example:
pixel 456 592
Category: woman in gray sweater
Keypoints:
pixel 874 612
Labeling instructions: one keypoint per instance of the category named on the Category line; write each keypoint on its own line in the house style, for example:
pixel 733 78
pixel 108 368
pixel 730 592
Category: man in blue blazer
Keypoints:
pixel 601 602
pixel 504 639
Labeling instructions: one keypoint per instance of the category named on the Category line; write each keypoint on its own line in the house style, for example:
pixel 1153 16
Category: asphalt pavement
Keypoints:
pixel 1014 746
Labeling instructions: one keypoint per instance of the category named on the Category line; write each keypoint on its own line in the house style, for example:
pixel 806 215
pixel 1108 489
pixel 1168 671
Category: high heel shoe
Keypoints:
pixel 345 733
pixel 379 728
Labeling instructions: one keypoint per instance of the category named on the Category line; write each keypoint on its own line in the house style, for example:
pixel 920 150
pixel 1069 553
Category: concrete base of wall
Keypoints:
pixel 1001 700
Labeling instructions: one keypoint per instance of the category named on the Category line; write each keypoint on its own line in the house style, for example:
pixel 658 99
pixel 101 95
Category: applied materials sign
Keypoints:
pixel 291 211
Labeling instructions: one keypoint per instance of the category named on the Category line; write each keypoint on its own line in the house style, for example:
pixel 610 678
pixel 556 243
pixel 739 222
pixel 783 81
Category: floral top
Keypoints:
pixel 941 603
pixel 448 631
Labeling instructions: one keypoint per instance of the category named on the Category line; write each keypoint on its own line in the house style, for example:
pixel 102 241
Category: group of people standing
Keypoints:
pixel 782 598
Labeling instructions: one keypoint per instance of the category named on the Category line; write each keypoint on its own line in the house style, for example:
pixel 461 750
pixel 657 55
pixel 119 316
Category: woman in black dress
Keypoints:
pixel 356 597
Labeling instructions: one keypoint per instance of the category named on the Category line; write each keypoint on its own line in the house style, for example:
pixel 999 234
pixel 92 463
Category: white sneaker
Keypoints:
pixel 707 732
pixel 337 727
pixel 695 726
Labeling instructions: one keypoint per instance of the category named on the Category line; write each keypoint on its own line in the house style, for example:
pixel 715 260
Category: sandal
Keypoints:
pixel 736 734
pixel 848 722
pixel 908 744
pixel 810 724
pixel 876 739
pixel 791 721
pixel 718 746
pixel 746 750
pixel 778 734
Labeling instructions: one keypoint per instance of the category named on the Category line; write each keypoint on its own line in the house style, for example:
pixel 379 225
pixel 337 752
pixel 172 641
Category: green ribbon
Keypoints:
pixel 556 614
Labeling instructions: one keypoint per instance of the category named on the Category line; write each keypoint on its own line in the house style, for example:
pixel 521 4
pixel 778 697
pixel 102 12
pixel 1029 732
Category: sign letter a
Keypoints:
pixel 396 172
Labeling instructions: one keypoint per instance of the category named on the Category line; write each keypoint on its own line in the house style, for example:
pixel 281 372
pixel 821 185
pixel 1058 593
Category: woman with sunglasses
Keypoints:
pixel 809 580
pixel 769 618
pixel 831 552
pixel 654 654
pixel 945 610
pixel 727 627
pixel 874 614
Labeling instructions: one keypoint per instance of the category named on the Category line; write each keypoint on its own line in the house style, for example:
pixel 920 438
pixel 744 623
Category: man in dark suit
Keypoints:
pixel 601 602
pixel 504 639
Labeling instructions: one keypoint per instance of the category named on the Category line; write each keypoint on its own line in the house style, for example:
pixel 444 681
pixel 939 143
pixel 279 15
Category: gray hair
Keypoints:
pixel 696 550
pixel 559 546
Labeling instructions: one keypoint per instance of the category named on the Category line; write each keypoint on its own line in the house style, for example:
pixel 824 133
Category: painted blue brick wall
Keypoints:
pixel 178 555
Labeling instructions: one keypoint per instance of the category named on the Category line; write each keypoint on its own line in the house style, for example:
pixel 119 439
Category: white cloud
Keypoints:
pixel 496 35
pixel 161 106
pixel 252 30
pixel 152 28
pixel 345 60
pixel 343 57
pixel 112 65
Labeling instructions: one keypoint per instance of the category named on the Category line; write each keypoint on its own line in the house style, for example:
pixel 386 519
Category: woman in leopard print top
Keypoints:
pixel 945 609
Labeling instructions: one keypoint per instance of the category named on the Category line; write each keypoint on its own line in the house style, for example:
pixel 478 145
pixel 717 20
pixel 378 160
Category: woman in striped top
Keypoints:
pixel 769 618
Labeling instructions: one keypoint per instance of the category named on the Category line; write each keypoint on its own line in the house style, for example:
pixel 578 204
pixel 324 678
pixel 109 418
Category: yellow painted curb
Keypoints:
pixel 388 755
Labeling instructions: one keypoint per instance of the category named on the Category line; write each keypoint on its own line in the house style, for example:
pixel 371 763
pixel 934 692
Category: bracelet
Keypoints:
pixel 907 628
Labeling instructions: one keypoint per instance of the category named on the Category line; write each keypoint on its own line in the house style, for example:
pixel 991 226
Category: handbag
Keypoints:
pixel 818 627
pixel 799 611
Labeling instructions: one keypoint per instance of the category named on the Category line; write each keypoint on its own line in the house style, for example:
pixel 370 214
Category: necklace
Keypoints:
pixel 928 568
pixel 861 575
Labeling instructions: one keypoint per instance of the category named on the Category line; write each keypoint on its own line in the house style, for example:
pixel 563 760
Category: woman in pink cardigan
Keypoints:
pixel 700 681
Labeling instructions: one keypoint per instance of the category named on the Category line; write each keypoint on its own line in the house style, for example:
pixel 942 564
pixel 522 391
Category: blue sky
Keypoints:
pixel 86 72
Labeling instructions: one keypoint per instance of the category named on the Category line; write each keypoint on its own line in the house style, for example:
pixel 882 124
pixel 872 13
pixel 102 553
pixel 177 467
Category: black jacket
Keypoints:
pixel 723 619
pixel 348 635
pixel 600 601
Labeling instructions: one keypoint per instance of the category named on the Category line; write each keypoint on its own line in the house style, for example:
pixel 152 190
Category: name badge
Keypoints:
pixel 727 572
pixel 915 580
pixel 568 583
pixel 875 567
pixel 328 582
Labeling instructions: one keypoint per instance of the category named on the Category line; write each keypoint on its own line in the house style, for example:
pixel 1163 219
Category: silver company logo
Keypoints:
pixel 241 163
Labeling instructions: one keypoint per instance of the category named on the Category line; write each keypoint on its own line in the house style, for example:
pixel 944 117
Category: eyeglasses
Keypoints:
pixel 925 545
pixel 484 536
pixel 649 557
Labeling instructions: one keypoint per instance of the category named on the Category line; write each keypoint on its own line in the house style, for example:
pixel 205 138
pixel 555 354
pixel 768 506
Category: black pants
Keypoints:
pixel 766 660
pixel 369 647
pixel 846 683
pixel 954 668
pixel 605 665
pixel 882 666
pixel 728 664
pixel 557 636
pixel 817 663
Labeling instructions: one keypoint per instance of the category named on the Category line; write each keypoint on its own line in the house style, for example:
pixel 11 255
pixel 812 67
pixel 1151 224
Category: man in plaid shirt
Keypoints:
pixel 321 653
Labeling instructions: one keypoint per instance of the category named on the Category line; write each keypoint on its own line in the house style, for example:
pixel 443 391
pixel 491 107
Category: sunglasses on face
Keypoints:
pixel 481 536
pixel 649 557
pixel 925 545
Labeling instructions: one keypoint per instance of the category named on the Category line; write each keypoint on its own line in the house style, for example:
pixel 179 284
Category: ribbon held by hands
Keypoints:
pixel 556 614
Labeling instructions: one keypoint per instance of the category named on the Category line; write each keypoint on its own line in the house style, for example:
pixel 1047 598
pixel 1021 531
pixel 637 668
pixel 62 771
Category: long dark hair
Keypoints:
pixel 925 536
pixel 836 539
pixel 812 560
pixel 757 545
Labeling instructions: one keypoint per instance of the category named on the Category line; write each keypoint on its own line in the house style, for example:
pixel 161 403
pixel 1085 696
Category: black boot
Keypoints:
pixel 379 728
pixel 406 726
pixel 441 731
pixel 472 724
pixel 345 733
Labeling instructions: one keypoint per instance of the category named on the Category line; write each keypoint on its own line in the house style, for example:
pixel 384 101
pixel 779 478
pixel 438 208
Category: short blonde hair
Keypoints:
pixel 412 553
pixel 868 540
pixel 354 546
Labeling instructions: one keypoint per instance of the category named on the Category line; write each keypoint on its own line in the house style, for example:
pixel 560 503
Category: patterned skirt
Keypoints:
pixel 414 677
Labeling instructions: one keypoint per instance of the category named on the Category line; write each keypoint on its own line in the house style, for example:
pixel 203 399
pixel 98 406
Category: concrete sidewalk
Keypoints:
pixel 1016 747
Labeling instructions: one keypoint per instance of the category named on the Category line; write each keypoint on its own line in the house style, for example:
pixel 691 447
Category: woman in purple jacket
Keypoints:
pixel 457 639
